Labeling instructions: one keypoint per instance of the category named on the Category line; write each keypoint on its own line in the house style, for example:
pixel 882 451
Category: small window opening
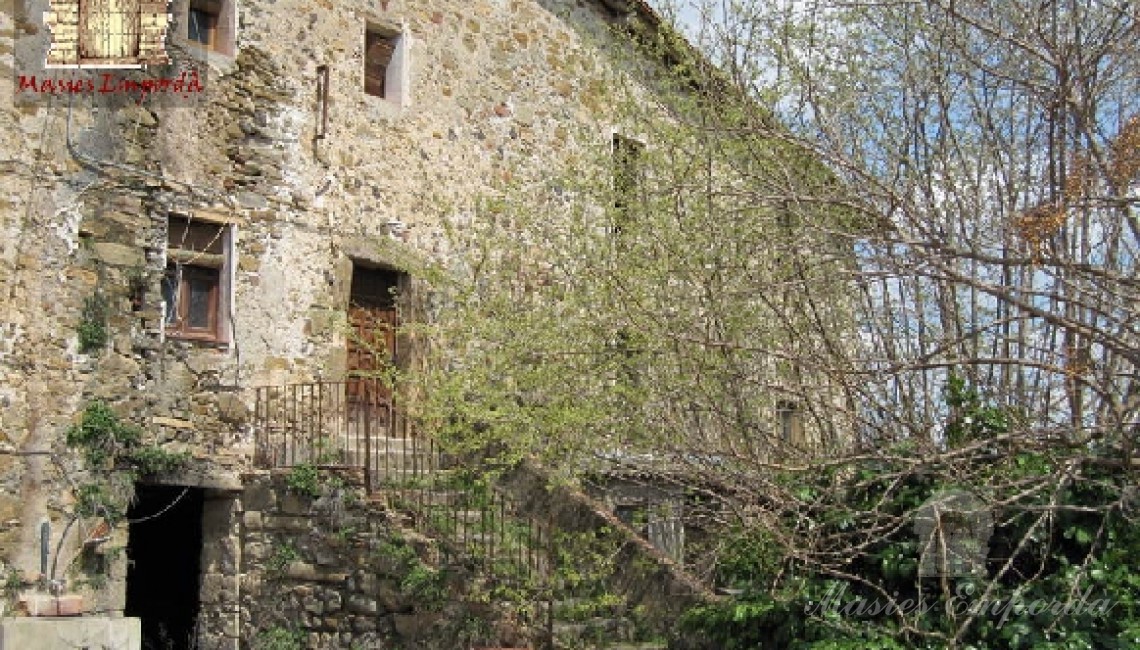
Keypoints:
pixel 208 25
pixel 627 154
pixel 627 174
pixel 193 287
pixel 203 24
pixel 380 50
pixel 790 421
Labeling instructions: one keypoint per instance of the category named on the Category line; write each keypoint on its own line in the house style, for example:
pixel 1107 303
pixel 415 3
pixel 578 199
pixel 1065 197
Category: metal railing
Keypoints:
pixel 350 423
pixel 475 522
pixel 354 423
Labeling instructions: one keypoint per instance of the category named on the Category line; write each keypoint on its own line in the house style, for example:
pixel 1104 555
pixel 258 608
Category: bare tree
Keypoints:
pixel 876 251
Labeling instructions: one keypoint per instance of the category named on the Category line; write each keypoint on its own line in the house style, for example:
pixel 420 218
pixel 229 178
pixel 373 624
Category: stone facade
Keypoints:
pixel 305 185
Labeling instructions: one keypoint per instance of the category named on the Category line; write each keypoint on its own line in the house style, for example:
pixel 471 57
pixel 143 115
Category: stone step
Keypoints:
pixel 381 444
pixel 595 630
pixel 405 471
pixel 420 486
pixel 575 609
pixel 419 496
pixel 392 447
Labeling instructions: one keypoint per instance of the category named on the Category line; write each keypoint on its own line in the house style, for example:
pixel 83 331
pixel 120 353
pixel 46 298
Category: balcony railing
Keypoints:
pixel 351 423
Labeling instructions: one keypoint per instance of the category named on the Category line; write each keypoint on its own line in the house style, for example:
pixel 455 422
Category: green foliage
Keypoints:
pixel 1073 583
pixel 148 461
pixel 12 582
pixel 748 558
pixel 583 609
pixel 114 452
pixel 279 638
pixel 104 438
pixel 396 552
pixel 108 443
pixel 283 555
pixel 428 586
pixel 92 500
pixel 580 321
pixel 344 534
pixel 92 327
pixel 973 419
pixel 304 479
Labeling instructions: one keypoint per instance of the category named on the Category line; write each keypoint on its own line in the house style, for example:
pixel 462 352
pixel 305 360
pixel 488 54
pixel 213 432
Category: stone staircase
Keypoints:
pixel 508 536
pixel 481 528
pixel 586 623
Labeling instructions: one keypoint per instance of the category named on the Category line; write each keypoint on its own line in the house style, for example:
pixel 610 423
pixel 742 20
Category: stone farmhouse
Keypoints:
pixel 208 239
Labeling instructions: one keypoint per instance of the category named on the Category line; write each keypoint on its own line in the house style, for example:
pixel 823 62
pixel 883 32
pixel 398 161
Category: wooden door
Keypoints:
pixel 372 342
pixel 371 352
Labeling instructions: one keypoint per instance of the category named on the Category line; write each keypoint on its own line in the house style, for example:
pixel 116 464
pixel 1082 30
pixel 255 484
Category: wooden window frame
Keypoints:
pixel 220 30
pixel 184 275
pixel 210 262
pixel 385 61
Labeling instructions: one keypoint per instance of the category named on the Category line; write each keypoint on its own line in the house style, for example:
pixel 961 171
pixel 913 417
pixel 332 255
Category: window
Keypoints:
pixel 109 32
pixel 627 170
pixel 202 27
pixel 209 25
pixel 790 421
pixel 195 287
pixel 385 64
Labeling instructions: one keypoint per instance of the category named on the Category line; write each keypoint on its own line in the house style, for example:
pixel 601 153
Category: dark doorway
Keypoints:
pixel 164 558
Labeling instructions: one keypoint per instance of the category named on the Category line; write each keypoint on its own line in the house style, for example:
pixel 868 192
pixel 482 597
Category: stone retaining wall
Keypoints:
pixel 339 572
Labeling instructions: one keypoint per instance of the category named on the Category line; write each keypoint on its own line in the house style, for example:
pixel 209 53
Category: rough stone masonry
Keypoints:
pixel 303 175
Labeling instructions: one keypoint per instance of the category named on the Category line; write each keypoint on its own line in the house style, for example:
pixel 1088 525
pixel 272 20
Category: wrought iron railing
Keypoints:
pixel 355 423
pixel 351 423
pixel 475 522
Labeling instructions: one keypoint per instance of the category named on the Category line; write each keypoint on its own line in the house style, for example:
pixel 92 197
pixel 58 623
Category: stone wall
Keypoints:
pixel 338 571
pixel 498 90
pixel 90 633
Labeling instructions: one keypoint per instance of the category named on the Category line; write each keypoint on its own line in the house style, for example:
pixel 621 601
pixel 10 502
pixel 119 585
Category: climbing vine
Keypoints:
pixel 115 456
pixel 92 327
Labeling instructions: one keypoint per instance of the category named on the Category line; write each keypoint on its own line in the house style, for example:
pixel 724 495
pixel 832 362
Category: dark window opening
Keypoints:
pixel 209 25
pixel 790 421
pixel 203 27
pixel 379 49
pixel 198 236
pixel 374 287
pixel 164 564
pixel 627 170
